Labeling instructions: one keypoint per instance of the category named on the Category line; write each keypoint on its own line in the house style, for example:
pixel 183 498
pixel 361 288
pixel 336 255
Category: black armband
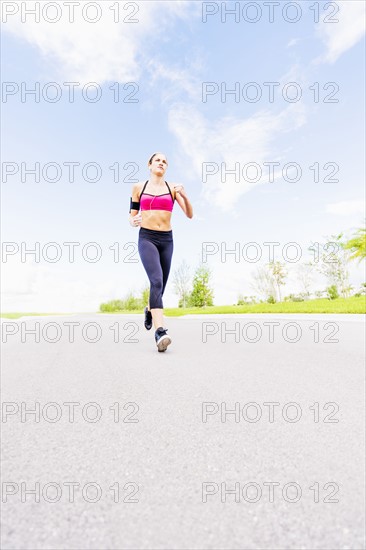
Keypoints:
pixel 134 205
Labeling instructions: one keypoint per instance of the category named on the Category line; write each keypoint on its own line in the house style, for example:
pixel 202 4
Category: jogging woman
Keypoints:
pixel 155 197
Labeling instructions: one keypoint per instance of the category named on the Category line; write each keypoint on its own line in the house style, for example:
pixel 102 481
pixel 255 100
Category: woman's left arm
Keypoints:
pixel 183 200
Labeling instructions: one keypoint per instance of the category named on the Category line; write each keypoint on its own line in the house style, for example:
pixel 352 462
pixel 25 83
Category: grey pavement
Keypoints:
pixel 249 439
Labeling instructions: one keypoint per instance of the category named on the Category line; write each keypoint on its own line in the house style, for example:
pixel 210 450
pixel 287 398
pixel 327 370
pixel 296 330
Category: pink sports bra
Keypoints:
pixel 156 202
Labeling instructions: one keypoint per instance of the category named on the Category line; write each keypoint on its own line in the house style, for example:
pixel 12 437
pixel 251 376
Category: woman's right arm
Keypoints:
pixel 135 217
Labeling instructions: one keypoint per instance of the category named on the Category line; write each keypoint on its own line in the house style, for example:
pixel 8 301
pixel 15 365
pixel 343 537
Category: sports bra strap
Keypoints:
pixel 143 189
pixel 169 191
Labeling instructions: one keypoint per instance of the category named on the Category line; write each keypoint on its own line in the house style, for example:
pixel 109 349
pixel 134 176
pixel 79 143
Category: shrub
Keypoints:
pixel 294 298
pixel 245 300
pixel 113 305
pixel 129 303
pixel 332 292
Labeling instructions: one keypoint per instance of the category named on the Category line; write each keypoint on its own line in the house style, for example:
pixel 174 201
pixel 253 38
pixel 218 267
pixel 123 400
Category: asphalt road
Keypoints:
pixel 253 442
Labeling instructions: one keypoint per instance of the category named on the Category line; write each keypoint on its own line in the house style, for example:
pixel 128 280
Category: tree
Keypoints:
pixel 332 292
pixel 357 244
pixel 333 259
pixel 304 276
pixel 279 275
pixel 263 282
pixel 181 283
pixel 202 294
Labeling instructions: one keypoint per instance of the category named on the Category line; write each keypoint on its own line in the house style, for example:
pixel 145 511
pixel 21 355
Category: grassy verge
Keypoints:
pixel 323 305
pixel 341 305
pixel 18 315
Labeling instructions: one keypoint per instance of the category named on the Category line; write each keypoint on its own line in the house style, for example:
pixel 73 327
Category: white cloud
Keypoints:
pixel 292 42
pixel 231 140
pixel 101 51
pixel 346 208
pixel 342 35
pixel 176 80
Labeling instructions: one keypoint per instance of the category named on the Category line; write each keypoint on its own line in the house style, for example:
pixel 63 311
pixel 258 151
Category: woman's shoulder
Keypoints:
pixel 171 185
pixel 137 187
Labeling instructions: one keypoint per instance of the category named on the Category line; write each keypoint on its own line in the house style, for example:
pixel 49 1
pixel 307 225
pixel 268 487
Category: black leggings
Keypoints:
pixel 156 250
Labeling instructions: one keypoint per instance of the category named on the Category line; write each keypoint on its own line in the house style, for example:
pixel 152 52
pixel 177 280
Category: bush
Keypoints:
pixel 332 292
pixel 271 300
pixel 361 291
pixel 246 300
pixel 113 305
pixel 294 298
pixel 129 303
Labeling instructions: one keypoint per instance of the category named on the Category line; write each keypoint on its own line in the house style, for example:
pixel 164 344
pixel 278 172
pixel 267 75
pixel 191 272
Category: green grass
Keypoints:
pixel 341 305
pixel 18 315
pixel 323 305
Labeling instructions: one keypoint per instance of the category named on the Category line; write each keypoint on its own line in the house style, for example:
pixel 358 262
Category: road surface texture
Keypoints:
pixel 247 433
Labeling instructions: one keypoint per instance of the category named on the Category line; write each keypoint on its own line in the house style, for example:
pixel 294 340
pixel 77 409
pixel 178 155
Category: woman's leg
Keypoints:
pixel 150 258
pixel 158 317
pixel 166 252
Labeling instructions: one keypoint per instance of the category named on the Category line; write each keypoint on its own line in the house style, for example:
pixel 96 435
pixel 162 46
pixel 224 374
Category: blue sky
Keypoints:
pixel 169 53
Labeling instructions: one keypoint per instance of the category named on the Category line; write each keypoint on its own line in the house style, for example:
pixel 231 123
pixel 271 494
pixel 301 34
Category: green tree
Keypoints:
pixel 202 294
pixel 279 275
pixel 332 260
pixel 332 292
pixel 357 244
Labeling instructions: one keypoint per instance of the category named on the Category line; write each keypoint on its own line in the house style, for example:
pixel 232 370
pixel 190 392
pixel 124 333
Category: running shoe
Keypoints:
pixel 148 319
pixel 162 339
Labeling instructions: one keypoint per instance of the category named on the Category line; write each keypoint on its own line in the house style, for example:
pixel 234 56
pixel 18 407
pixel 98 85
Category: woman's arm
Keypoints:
pixel 183 200
pixel 135 217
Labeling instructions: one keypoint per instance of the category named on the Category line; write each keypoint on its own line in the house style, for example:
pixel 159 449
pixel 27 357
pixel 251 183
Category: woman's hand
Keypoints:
pixel 135 220
pixel 183 200
pixel 180 189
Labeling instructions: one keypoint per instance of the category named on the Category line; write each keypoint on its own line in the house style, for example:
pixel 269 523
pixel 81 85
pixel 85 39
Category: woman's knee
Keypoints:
pixel 156 284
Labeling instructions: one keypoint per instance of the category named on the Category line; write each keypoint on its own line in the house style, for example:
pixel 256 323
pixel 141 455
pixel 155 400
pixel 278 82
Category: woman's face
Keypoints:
pixel 159 164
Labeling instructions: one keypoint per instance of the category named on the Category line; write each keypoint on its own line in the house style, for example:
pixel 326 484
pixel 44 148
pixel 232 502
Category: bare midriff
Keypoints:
pixel 158 220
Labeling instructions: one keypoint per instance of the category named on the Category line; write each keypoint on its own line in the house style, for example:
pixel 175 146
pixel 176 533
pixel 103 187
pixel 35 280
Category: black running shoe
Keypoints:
pixel 148 319
pixel 162 339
